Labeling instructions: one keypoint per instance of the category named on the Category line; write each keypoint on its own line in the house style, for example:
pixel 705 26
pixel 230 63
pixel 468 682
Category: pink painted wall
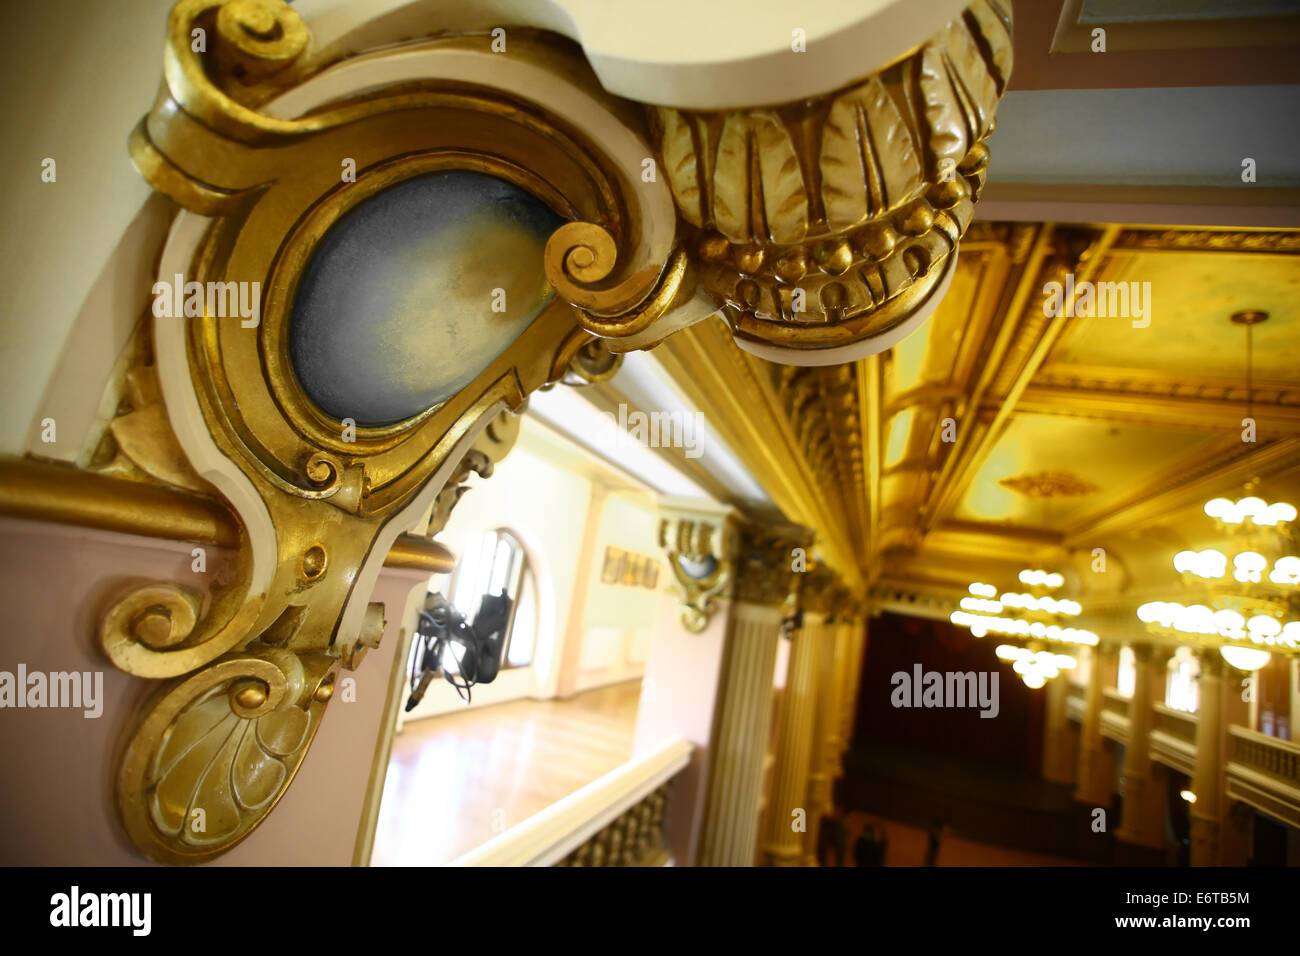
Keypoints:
pixel 56 788
pixel 678 699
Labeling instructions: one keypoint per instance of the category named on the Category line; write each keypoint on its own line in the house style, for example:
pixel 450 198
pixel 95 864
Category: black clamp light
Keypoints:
pixel 467 654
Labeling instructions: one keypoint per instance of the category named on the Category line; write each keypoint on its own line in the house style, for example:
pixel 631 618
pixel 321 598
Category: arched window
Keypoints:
pixel 1180 686
pixel 496 561
pixel 1126 674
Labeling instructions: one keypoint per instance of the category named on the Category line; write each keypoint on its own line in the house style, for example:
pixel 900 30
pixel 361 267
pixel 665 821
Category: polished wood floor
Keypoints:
pixel 457 780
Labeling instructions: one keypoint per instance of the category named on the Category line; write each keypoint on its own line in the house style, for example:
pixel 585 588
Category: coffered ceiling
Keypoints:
pixel 998 435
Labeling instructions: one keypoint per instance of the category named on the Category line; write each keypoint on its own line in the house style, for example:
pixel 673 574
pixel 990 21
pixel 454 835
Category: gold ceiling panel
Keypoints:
pixel 1045 471
pixel 1189 336
pixel 921 457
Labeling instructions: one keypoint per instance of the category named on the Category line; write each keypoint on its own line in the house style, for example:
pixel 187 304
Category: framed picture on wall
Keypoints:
pixel 632 568
pixel 612 570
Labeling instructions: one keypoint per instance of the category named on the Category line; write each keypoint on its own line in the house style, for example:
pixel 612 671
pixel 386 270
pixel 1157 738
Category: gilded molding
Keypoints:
pixel 830 222
pixel 492 445
pixel 1283 242
pixel 822 405
pixel 588 361
pixel 43 491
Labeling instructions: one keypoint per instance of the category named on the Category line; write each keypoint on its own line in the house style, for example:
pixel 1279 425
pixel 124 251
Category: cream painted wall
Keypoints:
pixel 59 240
pixel 543 506
pixel 619 619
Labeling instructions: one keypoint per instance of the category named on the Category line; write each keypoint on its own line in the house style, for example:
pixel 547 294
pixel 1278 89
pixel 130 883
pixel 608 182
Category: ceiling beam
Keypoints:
pixel 1192 412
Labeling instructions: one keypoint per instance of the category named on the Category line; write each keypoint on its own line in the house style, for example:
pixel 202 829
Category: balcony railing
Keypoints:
pixel 1075 702
pixel 1265 772
pixel 1173 738
pixel 616 820
pixel 1114 715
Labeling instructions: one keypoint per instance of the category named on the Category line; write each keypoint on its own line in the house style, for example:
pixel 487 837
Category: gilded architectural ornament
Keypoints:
pixel 492 445
pixel 834 222
pixel 1049 484
pixel 701 550
pixel 273 149
pixel 821 591
pixel 592 363
pixel 270 149
pixel 823 407
pixel 770 563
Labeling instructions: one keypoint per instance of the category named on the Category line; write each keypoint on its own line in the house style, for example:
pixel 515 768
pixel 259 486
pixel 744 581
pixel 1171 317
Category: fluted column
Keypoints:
pixel 1207 779
pixel 763 586
pixel 821 769
pixel 1144 796
pixel 857 650
pixel 845 680
pixel 782 844
pixel 1096 760
pixel 730 832
pixel 1060 747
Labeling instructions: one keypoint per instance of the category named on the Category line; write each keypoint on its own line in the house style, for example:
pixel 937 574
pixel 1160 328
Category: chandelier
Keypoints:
pixel 1034 619
pixel 1249 601
pixel 1250 608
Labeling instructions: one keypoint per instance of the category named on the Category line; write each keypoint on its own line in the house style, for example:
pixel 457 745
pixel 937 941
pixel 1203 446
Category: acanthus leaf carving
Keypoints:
pixel 868 158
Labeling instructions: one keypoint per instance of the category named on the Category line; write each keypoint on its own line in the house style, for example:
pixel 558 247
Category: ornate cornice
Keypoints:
pixel 1267 241
pixel 738 393
pixel 821 404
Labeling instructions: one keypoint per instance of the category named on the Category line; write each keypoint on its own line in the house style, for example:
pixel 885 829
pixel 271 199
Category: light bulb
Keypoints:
pixel 1262 627
pixel 1286 570
pixel 1244 658
pixel 1221 508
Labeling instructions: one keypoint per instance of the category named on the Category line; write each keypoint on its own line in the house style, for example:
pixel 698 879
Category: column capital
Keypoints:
pixel 822 590
pixel 1212 662
pixel 1143 650
pixel 771 559
pixel 701 543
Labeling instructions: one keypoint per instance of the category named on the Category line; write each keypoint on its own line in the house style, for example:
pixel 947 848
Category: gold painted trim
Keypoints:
pixel 44 491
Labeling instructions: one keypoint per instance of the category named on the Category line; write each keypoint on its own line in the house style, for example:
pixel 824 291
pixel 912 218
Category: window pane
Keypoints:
pixel 502 564
pixel 473 573
pixel 524 633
